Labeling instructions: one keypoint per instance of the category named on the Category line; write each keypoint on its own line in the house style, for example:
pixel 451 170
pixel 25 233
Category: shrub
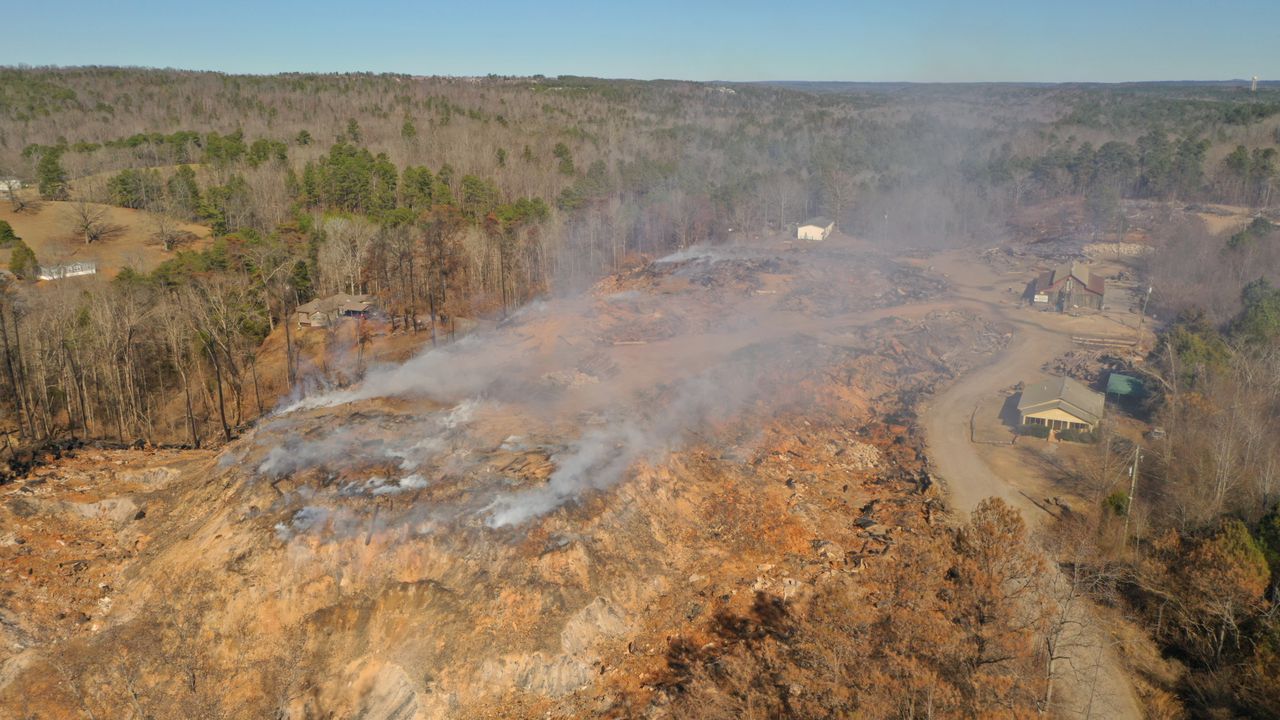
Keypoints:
pixel 1040 431
pixel 1117 502
pixel 22 262
pixel 51 175
pixel 1080 436
pixel 135 188
pixel 1269 539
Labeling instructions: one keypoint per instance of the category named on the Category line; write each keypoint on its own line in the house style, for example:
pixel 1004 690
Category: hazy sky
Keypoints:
pixel 919 40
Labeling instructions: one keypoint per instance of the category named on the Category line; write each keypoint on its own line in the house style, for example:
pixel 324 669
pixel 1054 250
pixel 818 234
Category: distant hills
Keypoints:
pixel 858 87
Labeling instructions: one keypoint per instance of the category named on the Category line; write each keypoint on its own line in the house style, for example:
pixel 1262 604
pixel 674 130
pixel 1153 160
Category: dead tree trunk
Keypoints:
pixel 222 404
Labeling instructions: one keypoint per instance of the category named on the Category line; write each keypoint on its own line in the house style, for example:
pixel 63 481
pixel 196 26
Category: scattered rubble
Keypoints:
pixel 738 419
pixel 1088 366
pixel 1114 250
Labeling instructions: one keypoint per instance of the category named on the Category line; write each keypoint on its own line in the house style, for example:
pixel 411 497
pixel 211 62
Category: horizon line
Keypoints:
pixel 21 67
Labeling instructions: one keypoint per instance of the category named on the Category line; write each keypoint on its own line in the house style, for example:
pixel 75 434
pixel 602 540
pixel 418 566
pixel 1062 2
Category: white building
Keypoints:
pixel 815 228
pixel 66 270
pixel 9 183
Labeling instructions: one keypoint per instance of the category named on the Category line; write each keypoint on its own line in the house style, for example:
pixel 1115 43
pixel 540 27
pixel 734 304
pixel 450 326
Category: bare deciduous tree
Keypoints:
pixel 165 227
pixel 341 259
pixel 89 221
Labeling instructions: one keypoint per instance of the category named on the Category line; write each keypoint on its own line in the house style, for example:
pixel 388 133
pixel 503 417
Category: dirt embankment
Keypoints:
pixel 514 525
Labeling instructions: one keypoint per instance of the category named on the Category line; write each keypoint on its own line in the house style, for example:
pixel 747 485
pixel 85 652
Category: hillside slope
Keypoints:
pixel 521 523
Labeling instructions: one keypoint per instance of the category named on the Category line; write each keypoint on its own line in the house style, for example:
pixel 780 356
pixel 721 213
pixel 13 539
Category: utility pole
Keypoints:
pixel 1133 487
pixel 1143 315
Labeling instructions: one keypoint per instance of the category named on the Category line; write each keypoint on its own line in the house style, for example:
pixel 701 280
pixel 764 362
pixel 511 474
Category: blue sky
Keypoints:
pixel 919 40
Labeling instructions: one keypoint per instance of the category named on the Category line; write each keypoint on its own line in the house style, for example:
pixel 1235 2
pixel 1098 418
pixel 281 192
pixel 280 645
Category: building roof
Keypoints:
pixel 68 269
pixel 355 306
pixel 1093 283
pixel 819 221
pixel 1062 393
pixel 337 303
pixel 1122 385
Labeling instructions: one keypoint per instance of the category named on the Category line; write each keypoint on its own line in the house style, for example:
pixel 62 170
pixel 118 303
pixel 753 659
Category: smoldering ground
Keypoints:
pixel 589 386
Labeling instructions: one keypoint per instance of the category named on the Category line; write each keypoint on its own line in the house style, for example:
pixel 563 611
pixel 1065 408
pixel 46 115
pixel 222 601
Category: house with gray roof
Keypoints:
pixel 323 312
pixel 1062 404
pixel 67 270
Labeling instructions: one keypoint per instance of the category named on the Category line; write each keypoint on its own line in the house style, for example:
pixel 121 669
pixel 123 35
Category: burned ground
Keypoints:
pixel 515 524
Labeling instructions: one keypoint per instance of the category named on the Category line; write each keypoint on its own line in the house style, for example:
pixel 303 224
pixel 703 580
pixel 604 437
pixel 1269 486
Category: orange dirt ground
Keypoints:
pixel 517 524
pixel 731 416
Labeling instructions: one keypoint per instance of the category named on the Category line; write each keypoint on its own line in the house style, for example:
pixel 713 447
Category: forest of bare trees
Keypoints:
pixel 450 197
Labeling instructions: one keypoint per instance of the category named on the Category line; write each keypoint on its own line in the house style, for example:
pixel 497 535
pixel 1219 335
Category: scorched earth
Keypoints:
pixel 529 520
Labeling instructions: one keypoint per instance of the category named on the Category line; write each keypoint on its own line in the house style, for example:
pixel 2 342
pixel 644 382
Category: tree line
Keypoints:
pixel 449 198
pixel 1183 534
pixel 1155 166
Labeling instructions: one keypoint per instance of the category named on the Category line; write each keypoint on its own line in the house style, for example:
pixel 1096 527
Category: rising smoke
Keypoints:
pixel 648 407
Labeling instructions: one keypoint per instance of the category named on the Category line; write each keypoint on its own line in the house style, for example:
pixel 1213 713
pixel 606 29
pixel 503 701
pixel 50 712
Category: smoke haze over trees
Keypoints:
pixel 460 197
pixel 459 200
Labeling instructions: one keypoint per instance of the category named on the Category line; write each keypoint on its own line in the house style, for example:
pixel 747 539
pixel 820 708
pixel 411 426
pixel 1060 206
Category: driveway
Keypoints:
pixel 1098 686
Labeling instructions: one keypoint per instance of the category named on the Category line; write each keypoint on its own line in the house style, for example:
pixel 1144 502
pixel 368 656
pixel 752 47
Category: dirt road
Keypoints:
pixel 1095 684
pixel 1036 338
pixel 968 477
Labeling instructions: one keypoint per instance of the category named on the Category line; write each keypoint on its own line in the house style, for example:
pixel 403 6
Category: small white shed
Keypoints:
pixel 68 270
pixel 815 228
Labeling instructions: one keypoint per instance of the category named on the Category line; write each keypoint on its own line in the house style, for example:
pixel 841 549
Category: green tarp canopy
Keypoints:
pixel 1125 386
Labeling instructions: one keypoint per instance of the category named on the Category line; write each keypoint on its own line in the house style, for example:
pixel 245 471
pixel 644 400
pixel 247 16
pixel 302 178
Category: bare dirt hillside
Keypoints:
pixel 520 523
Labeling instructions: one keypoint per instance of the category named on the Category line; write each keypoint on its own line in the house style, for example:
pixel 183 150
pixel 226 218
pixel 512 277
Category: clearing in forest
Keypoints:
pixel 49 228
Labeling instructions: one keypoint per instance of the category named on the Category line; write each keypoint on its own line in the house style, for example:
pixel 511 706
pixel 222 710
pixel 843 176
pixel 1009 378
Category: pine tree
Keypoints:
pixel 22 262
pixel 51 175
pixel 7 236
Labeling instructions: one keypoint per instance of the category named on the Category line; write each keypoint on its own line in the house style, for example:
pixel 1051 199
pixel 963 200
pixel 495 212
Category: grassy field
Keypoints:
pixel 47 227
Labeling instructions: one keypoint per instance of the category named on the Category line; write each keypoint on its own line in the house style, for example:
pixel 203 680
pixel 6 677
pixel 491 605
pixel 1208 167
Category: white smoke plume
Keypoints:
pixel 601 457
pixel 344 447
pixel 639 415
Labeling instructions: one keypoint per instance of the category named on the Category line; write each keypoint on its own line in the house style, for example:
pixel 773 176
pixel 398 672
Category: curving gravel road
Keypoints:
pixel 1098 687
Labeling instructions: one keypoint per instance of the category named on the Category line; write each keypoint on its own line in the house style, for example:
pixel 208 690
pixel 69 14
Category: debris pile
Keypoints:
pixel 514 524
pixel 1088 366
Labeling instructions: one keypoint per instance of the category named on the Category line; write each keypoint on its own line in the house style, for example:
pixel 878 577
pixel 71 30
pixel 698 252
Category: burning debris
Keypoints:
pixel 652 361
pixel 540 494
pixel 441 413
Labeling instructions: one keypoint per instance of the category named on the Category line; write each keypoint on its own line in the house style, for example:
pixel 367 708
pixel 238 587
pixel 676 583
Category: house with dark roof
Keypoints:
pixel 1068 287
pixel 1062 404
pixel 323 312
pixel 815 228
